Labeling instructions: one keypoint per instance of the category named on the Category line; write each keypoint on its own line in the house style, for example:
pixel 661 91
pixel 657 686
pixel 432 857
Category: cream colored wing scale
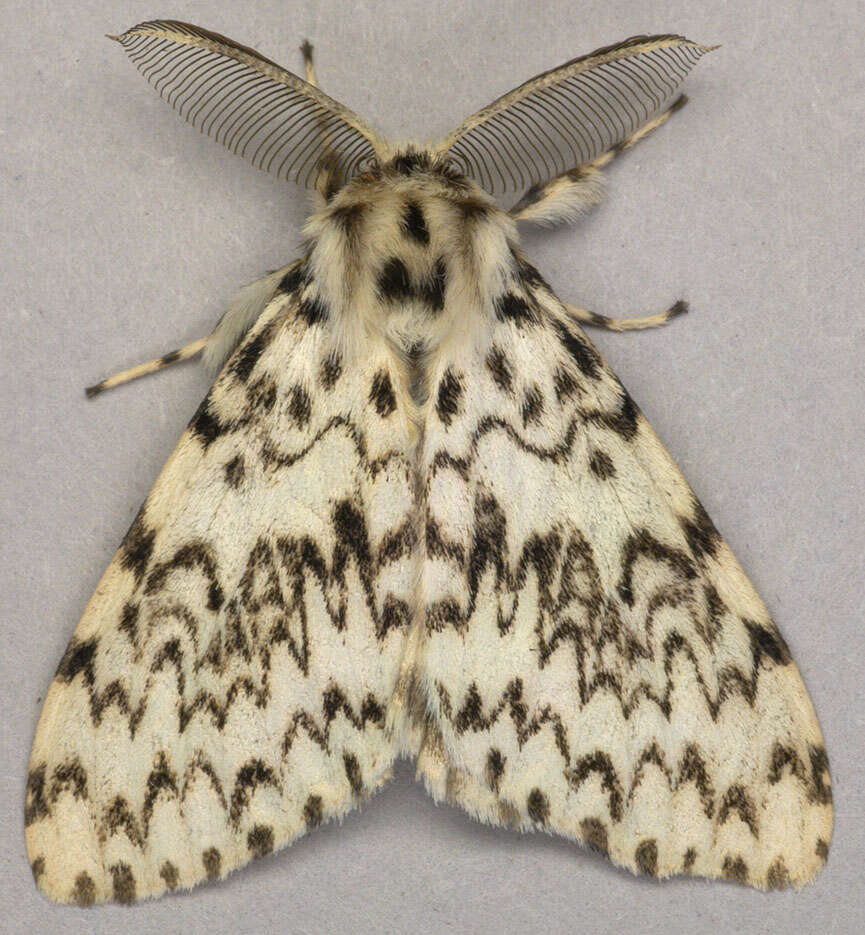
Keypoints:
pixel 228 685
pixel 595 662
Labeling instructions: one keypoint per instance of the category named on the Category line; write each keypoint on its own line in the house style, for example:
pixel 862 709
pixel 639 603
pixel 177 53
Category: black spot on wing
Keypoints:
pixel 84 891
pixel 352 772
pixel 735 869
pixel 260 840
pixel 137 546
pixel 602 465
pixel 495 768
pixel 564 384
pixel 313 811
pixel 206 426
pixel 500 369
pixel 312 310
pixel 625 422
pixel 77 658
pixel 235 471
pixel 122 883
pixel 247 356
pixel 646 856
pixel 594 833
pixel 767 642
pixel 293 279
pixel 700 531
pixel 514 308
pixel 394 282
pixel 299 406
pixel 538 807
pixel 212 860
pixel 382 395
pixel 579 350
pixel 450 392
pixel 533 405
pixel 330 370
pixel 414 223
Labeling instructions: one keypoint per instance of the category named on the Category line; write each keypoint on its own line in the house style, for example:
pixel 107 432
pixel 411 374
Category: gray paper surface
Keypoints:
pixel 124 231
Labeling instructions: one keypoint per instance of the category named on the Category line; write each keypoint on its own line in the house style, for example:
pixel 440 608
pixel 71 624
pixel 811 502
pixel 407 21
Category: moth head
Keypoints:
pixel 560 119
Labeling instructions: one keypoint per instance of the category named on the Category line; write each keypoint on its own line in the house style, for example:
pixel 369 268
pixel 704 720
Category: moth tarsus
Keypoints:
pixel 306 50
pixel 418 515
pixel 679 307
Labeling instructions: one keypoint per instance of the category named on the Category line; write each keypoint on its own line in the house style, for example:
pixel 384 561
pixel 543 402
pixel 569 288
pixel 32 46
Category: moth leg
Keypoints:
pixel 627 324
pixel 151 366
pixel 567 196
pixel 308 64
pixel 246 305
pixel 327 181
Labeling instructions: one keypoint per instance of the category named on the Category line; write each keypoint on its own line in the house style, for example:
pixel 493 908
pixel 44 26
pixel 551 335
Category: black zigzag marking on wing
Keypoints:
pixel 274 457
pixel 690 768
pixel 259 614
pixel 568 580
pixel 44 789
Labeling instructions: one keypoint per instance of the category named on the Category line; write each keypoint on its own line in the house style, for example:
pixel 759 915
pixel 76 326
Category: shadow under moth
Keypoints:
pixel 418 515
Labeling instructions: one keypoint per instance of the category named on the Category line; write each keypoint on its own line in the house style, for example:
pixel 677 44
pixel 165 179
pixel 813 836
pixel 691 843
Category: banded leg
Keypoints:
pixel 328 182
pixel 567 196
pixel 187 352
pixel 586 317
pixel 245 307
pixel 308 64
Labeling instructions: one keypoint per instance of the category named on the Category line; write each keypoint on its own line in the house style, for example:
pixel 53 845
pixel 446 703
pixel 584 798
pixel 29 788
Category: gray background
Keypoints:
pixel 123 230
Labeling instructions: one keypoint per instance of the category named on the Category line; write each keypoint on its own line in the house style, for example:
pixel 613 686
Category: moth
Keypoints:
pixel 418 515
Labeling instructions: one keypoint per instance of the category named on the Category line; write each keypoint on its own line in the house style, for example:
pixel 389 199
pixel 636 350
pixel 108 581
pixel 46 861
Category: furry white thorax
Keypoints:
pixel 416 257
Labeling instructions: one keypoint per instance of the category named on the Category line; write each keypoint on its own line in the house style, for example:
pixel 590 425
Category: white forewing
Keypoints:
pixel 596 664
pixel 228 685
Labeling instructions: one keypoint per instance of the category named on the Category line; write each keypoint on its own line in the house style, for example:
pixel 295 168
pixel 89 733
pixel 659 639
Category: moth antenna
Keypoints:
pixel 249 103
pixel 573 114
pixel 627 324
pixel 187 352
pixel 306 49
pixel 565 198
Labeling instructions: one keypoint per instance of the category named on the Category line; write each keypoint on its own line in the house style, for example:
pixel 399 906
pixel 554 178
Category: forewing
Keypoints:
pixel 569 115
pixel 266 114
pixel 596 664
pixel 228 684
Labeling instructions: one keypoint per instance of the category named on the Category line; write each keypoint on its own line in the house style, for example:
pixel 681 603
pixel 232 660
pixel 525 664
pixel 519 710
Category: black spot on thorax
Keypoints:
pixel 394 282
pixel 432 290
pixel 313 310
pixel 414 223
